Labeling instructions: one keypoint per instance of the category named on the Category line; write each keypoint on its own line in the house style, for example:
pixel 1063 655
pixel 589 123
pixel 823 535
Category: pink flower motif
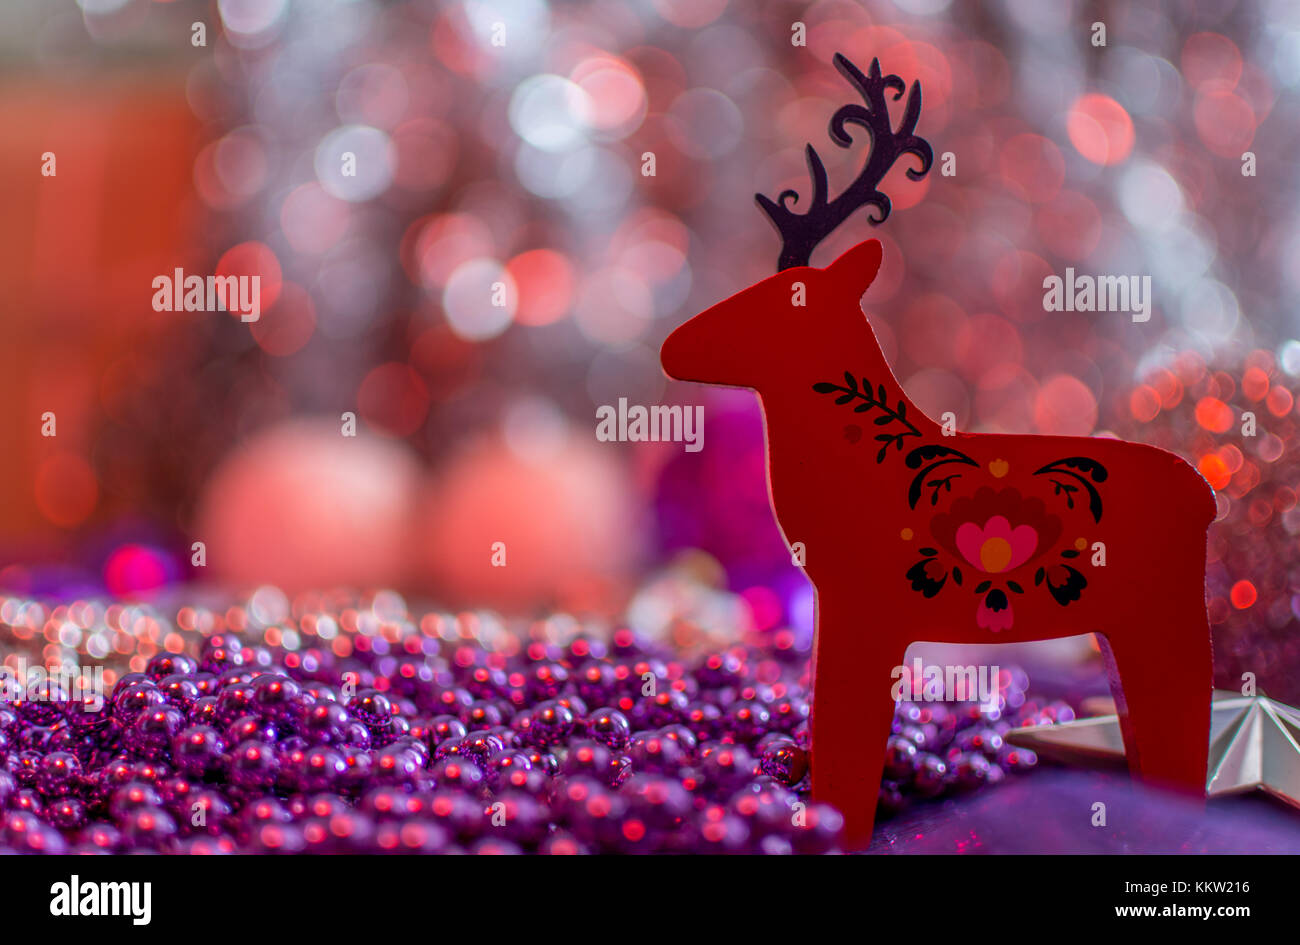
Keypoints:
pixel 997 546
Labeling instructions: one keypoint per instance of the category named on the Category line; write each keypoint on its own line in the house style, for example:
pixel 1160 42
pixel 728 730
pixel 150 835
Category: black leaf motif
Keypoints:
pixel 877 400
pixel 1069 589
pixel 1090 471
pixel 922 580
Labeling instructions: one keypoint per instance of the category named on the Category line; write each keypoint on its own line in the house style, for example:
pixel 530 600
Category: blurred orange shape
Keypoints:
pixel 1225 122
pixel 1215 470
pixel 254 259
pixel 1065 407
pixel 1144 403
pixel 1213 414
pixel 545 282
pixel 1254 384
pixel 1243 595
pixel 1100 129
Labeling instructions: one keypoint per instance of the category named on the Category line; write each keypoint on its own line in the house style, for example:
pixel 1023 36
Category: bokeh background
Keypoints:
pixel 505 142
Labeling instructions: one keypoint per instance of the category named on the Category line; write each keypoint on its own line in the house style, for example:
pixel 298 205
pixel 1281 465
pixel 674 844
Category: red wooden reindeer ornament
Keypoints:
pixel 913 535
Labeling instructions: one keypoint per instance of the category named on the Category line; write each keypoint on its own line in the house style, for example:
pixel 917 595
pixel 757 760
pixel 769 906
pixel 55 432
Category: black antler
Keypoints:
pixel 801 232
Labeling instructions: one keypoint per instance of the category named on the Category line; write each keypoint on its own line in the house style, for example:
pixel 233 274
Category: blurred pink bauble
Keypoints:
pixel 562 508
pixel 302 506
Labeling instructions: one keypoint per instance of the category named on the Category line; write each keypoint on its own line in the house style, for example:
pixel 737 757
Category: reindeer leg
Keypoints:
pixel 852 713
pixel 1161 675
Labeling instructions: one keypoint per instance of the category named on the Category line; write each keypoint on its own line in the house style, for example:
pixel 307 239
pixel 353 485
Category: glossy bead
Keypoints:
pixel 610 727
pixel 198 750
pixel 236 701
pixel 254 765
pixel 725 766
pixel 276 696
pixel 167 664
pixel 900 758
pixel 651 751
pixel 153 731
pixel 60 774
pixel 371 707
pixel 552 723
pixel 130 701
pixel 180 691
pixel 931 775
pixel 132 796
pixel 320 769
pixel 252 727
pixel 784 761
pixel 586 757
pixel 481 715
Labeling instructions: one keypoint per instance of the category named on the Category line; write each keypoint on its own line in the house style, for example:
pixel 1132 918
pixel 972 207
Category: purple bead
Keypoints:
pixel 610 727
pixel 133 796
pixel 654 752
pixel 60 774
pixel 784 761
pixel 252 727
pixel 26 833
pixel 254 765
pixel 519 817
pixel 152 733
pixel 325 723
pixel 203 711
pixel 900 758
pixel 971 770
pixel 480 746
pixel 101 837
pixel 320 769
pixel 235 702
pixel 586 757
pixel 817 829
pixel 180 691
pixel 372 708
pixel 167 664
pixel 411 836
pixel 134 699
pixel 931 775
pixel 276 696
pixel 198 750
pixel 396 765
pixel 481 714
pixel 148 827
pixel 553 722
pixel 724 766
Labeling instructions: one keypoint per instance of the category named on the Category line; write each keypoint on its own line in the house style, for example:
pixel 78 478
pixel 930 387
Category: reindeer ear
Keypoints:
pixel 858 266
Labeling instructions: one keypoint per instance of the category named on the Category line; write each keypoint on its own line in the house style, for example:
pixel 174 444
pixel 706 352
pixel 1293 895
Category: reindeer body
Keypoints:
pixel 912 536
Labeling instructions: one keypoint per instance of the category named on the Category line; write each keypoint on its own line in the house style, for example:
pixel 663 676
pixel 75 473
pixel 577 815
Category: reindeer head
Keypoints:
pixel 740 341
pixel 735 341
